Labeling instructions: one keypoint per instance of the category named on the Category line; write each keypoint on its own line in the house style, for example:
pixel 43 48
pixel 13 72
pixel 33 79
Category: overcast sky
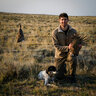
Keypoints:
pixel 54 7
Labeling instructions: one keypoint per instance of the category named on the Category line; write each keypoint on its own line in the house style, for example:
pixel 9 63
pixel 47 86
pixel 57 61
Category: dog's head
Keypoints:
pixel 51 71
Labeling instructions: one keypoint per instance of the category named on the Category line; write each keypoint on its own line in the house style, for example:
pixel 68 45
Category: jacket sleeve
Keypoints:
pixel 57 45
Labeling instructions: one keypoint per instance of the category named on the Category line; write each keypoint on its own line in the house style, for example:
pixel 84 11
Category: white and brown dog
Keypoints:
pixel 47 75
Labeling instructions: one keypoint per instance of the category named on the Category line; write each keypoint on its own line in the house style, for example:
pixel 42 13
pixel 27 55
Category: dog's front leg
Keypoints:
pixel 46 81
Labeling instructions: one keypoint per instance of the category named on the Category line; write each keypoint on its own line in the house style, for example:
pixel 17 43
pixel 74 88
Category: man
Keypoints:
pixel 62 42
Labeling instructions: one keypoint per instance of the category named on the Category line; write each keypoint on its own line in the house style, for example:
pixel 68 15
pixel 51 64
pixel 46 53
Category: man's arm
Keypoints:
pixel 57 45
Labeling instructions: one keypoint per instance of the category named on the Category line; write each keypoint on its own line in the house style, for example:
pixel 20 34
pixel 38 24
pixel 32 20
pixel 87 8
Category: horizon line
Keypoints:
pixel 38 14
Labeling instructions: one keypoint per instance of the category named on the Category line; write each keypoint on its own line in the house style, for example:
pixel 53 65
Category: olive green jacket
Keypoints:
pixel 61 41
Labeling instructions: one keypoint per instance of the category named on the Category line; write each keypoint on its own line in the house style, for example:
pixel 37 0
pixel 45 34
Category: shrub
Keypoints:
pixel 24 72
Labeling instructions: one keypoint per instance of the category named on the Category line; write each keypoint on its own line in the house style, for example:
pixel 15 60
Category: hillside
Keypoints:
pixel 21 62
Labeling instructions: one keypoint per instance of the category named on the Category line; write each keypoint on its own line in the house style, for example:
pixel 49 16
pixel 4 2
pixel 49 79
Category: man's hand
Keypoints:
pixel 70 46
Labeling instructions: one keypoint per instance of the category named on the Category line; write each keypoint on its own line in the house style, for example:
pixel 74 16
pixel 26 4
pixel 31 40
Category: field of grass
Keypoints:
pixel 21 62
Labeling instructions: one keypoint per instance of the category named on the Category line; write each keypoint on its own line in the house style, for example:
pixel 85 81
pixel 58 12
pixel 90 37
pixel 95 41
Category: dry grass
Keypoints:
pixel 21 62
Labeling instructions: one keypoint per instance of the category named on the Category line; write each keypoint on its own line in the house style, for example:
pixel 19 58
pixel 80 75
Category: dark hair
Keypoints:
pixel 51 68
pixel 63 15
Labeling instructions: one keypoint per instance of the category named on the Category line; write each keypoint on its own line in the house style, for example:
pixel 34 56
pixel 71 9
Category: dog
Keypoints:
pixel 47 75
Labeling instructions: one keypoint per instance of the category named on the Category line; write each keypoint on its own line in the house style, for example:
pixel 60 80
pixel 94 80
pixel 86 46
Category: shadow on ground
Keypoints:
pixel 82 81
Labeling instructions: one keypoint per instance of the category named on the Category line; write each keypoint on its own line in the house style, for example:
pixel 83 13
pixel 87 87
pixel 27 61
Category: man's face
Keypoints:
pixel 63 21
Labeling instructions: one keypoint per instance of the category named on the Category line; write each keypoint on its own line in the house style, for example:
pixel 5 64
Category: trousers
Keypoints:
pixel 65 68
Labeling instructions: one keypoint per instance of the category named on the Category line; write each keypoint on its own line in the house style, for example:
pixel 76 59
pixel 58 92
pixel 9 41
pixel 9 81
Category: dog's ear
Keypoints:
pixel 47 70
pixel 54 68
